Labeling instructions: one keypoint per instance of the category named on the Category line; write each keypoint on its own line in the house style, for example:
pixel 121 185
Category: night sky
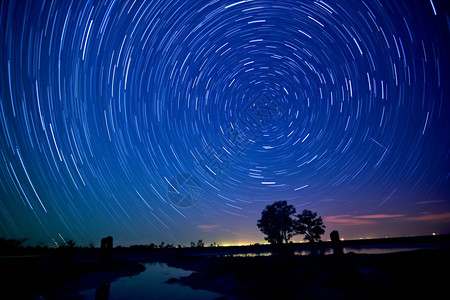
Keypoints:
pixel 181 120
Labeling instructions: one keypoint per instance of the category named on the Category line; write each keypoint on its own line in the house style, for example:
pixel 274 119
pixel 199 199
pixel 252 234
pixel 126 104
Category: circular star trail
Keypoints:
pixel 177 120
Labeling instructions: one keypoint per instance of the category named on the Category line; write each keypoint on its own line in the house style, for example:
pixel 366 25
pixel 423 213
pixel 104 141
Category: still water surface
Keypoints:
pixel 149 284
pixel 365 249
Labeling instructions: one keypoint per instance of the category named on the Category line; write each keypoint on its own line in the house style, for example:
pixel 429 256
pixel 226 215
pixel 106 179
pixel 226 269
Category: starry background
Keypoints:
pixel 181 120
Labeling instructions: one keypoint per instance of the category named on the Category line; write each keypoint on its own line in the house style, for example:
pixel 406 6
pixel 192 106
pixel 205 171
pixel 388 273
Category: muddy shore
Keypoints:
pixel 421 274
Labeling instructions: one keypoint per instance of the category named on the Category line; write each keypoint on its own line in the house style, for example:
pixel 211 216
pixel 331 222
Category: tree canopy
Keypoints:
pixel 276 222
pixel 309 224
pixel 279 223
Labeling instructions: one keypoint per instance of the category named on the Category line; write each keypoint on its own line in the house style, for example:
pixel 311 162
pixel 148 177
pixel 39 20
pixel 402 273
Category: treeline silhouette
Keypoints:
pixel 17 247
pixel 163 245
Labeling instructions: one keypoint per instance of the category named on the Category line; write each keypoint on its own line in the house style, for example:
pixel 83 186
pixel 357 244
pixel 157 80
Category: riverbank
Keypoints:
pixel 415 274
pixel 41 277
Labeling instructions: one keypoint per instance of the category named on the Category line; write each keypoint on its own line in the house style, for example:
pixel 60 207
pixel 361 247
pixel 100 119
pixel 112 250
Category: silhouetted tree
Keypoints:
pixel 309 224
pixel 68 244
pixel 10 243
pixel 192 244
pixel 200 244
pixel 276 222
pixel 10 246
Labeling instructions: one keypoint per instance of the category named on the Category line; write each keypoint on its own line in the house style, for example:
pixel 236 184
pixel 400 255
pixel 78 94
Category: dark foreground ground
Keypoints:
pixel 47 277
pixel 421 274
pixel 60 273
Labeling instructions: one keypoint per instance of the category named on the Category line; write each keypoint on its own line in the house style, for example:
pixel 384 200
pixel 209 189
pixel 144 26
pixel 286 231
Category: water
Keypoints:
pixel 380 249
pixel 250 254
pixel 149 284
pixel 366 249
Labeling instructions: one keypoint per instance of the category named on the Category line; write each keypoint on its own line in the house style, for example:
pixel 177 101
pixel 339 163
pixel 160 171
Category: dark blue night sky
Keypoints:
pixel 181 120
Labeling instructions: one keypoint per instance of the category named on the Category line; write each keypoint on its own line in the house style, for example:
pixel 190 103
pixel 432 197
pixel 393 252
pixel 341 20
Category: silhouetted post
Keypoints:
pixel 336 242
pixel 106 247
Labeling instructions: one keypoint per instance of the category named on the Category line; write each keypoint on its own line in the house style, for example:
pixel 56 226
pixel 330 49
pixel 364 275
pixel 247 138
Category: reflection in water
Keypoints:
pixel 102 292
pixel 150 284
pixel 379 249
pixel 325 251
pixel 246 254
pixel 365 249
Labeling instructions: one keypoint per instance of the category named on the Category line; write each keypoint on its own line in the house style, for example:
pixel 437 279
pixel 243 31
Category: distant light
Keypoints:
pixel 342 239
pixel 434 233
pixel 232 244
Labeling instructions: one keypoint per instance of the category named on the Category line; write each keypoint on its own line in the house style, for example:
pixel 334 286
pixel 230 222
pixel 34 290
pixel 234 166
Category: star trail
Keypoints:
pixel 178 120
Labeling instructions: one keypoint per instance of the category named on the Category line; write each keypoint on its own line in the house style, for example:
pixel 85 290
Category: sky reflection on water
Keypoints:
pixel 151 284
